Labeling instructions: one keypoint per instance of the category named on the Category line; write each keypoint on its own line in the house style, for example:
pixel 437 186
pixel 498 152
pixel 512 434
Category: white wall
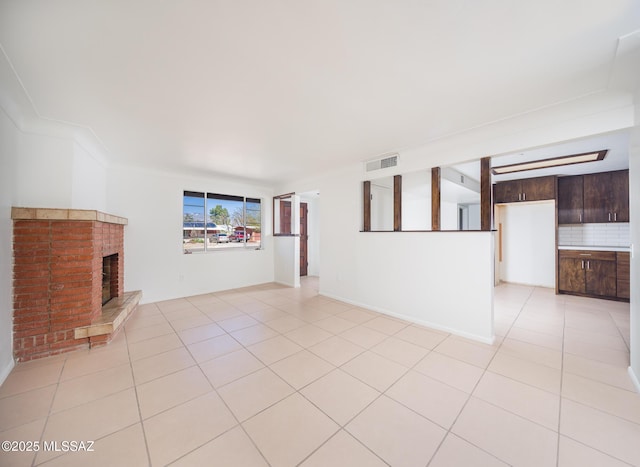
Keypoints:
pixel 634 200
pixel 44 172
pixel 154 259
pixel 286 265
pixel 439 279
pixel 89 181
pixel 448 215
pixel 416 200
pixel 9 141
pixel 528 243
pixel 56 172
pixel 382 205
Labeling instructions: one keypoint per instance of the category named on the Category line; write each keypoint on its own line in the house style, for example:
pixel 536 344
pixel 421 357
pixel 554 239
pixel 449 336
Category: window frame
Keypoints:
pixel 208 224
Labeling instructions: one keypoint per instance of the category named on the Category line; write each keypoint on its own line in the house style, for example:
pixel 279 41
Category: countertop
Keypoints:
pixel 594 248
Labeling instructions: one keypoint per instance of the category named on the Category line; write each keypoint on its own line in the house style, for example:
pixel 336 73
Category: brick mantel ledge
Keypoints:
pixel 48 214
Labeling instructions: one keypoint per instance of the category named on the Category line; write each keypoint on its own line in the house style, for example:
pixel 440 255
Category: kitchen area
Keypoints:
pixel 565 224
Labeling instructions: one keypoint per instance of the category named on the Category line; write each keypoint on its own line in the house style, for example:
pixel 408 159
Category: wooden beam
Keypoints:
pixel 485 193
pixel 435 198
pixel 366 205
pixel 397 203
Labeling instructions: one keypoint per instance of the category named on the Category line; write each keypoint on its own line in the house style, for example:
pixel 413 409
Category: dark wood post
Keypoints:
pixel 397 203
pixel 366 204
pixel 435 198
pixel 485 193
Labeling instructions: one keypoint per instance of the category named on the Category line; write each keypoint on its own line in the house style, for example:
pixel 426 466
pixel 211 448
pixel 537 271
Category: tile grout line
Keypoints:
pixel 484 371
pixel 46 422
pixel 564 325
pixel 135 389
pixel 577 402
pixel 213 389
pixel 240 424
pixel 381 393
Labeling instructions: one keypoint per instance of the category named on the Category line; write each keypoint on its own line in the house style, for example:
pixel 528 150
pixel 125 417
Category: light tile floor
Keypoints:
pixel 275 376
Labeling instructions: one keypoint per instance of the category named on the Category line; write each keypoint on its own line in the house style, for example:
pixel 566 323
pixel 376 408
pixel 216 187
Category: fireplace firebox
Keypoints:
pixel 109 277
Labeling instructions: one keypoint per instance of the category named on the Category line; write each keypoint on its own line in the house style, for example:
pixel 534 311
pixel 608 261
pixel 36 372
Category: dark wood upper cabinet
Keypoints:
pixel 620 195
pixel 507 192
pixel 570 206
pixel 539 188
pixel 606 197
pixel 528 189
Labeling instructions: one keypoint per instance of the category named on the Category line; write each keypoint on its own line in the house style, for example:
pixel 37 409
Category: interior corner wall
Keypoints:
pixel 154 259
pixel 9 142
pixel 634 208
pixel 56 172
pixel 44 171
pixel 38 170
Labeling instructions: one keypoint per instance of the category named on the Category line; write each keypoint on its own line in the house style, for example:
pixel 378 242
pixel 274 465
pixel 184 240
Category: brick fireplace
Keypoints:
pixel 60 258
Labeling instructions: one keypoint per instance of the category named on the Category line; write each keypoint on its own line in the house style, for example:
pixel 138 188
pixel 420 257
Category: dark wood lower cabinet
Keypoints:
pixel 623 262
pixel 571 276
pixel 601 278
pixel 590 273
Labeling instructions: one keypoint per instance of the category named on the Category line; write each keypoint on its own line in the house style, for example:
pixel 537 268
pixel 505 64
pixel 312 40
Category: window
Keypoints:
pixel 212 221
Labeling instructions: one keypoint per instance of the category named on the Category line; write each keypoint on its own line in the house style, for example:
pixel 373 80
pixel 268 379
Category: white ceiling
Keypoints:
pixel 274 90
pixel 617 157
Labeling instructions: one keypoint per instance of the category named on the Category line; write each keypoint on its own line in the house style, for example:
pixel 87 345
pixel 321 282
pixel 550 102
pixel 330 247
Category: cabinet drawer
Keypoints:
pixel 587 255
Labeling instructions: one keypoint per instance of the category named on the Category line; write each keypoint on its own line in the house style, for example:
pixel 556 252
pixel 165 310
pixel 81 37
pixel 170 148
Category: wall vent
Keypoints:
pixel 383 163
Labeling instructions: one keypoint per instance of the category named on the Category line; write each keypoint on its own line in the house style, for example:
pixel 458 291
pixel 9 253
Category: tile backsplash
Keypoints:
pixel 610 234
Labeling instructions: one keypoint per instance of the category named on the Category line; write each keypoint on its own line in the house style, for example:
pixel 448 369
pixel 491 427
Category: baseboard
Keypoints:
pixel 428 324
pixel 634 379
pixel 6 370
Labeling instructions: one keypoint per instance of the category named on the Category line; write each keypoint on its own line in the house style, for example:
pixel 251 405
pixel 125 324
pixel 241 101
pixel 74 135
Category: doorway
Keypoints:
pixel 304 236
pixel 526 243
pixel 310 234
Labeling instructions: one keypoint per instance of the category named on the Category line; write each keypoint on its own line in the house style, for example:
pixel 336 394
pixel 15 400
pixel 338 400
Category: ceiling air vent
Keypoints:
pixel 384 163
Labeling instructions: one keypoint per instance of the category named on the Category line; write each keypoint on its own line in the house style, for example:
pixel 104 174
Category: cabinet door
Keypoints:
pixel 601 278
pixel 570 200
pixel 571 275
pixel 619 195
pixel 539 188
pixel 596 197
pixel 623 269
pixel 606 197
pixel 507 192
